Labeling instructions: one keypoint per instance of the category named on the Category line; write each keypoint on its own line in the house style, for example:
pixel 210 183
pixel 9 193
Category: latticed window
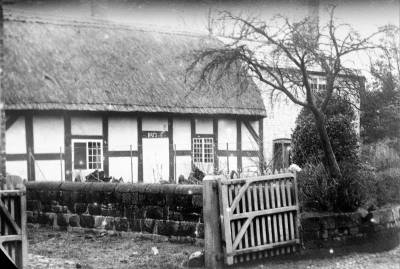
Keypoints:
pixel 317 84
pixel 203 150
pixel 87 154
pixel 94 154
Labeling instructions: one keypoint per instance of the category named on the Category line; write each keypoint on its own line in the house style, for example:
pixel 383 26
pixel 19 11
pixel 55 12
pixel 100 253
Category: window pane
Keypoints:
pixel 80 155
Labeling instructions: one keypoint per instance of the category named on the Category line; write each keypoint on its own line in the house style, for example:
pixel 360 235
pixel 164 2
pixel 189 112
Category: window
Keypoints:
pixel 281 157
pixel 88 154
pixel 203 150
pixel 94 154
pixel 317 84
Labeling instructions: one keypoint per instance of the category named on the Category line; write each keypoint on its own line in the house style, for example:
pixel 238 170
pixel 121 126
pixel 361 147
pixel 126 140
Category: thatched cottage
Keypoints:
pixel 81 96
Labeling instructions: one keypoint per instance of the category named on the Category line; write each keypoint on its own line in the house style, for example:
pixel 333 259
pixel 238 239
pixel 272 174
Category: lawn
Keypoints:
pixel 54 249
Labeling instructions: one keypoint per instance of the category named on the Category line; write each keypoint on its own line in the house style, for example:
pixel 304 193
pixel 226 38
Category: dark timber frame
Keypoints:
pixel 30 155
pixel 30 146
pixel 105 145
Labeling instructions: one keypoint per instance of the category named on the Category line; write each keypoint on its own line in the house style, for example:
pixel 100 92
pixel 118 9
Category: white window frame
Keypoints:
pixel 206 157
pixel 319 82
pixel 87 141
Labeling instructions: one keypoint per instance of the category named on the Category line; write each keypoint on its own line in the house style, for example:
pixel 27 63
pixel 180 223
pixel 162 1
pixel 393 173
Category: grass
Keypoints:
pixel 109 251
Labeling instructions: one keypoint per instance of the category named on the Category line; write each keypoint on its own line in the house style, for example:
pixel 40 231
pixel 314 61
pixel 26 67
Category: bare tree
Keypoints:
pixel 284 56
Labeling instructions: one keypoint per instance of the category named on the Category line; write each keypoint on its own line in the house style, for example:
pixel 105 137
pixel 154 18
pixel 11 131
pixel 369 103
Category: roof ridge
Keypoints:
pixel 10 15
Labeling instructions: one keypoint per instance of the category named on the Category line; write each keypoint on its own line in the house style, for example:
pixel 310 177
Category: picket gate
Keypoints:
pixel 260 217
pixel 13 240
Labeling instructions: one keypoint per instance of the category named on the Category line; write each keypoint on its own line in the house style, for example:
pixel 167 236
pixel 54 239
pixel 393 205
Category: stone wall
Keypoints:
pixel 165 209
pixel 340 229
pixel 176 210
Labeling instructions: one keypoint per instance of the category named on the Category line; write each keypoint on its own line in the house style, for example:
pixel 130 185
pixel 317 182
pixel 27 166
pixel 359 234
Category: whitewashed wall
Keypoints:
pixel 86 125
pixel 250 166
pixel 121 167
pixel 18 168
pixel 49 170
pixel 248 141
pixel 16 144
pixel 182 134
pixel 223 163
pixel 15 137
pixel 227 133
pixel 183 166
pixel 279 123
pixel 122 132
pixel 204 126
pixel 48 134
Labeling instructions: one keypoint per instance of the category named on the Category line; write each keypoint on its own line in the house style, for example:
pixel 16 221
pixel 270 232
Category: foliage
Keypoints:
pixel 380 117
pixel 382 155
pixel 388 187
pixel 380 105
pixel 319 193
pixel 306 145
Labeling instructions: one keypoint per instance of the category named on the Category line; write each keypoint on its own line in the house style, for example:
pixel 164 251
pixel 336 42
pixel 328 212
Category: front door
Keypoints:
pixel 155 156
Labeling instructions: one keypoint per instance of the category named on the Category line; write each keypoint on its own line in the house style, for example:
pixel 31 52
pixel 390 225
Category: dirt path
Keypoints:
pixel 52 249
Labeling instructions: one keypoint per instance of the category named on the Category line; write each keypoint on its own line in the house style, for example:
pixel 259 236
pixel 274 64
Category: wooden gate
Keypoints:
pixel 13 241
pixel 260 217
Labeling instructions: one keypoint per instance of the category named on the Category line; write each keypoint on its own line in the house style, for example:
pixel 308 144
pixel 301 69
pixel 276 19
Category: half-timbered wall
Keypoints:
pixel 16 148
pixel 48 146
pixel 135 147
pixel 123 148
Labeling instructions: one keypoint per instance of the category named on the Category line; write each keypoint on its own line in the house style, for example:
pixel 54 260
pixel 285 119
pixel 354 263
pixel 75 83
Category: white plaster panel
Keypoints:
pixel 155 160
pixel 227 133
pixel 248 142
pixel 183 166
pixel 223 164
pixel 18 168
pixel 122 132
pixel 182 134
pixel 204 126
pixel 121 167
pixel 250 166
pixel 49 170
pixel 15 137
pixel 155 124
pixel 48 134
pixel 86 126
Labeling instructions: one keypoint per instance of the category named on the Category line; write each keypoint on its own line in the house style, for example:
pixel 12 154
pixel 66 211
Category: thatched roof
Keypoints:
pixel 91 66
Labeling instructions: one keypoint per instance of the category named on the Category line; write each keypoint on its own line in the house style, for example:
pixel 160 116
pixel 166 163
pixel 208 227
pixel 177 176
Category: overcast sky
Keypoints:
pixel 191 16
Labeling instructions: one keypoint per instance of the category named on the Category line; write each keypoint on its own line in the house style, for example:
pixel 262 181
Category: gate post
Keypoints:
pixel 212 227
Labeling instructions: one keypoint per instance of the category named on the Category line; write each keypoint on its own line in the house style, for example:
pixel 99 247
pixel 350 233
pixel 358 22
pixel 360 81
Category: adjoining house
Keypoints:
pixel 281 120
pixel 81 96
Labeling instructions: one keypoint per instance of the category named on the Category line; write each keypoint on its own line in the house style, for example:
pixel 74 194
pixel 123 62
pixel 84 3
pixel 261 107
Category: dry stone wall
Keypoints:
pixel 176 210
pixel 165 209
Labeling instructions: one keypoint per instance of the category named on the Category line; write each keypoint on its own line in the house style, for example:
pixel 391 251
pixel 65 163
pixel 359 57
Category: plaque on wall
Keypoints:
pixel 154 134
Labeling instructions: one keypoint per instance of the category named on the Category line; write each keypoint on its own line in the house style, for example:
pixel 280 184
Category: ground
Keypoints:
pixel 54 249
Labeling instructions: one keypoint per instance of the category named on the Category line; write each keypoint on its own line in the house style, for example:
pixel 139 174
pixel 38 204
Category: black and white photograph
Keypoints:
pixel 200 134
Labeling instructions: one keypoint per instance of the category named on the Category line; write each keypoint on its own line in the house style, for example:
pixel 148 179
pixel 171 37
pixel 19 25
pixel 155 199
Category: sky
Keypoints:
pixel 191 16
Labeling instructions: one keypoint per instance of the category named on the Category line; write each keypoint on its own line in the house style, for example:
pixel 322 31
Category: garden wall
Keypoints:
pixel 176 210
pixel 319 230
pixel 165 209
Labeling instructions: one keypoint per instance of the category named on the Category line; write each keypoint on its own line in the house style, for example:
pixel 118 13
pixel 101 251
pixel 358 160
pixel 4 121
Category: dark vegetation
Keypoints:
pixel 361 185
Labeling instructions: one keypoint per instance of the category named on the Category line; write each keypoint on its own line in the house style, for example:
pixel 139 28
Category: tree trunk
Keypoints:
pixel 330 159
